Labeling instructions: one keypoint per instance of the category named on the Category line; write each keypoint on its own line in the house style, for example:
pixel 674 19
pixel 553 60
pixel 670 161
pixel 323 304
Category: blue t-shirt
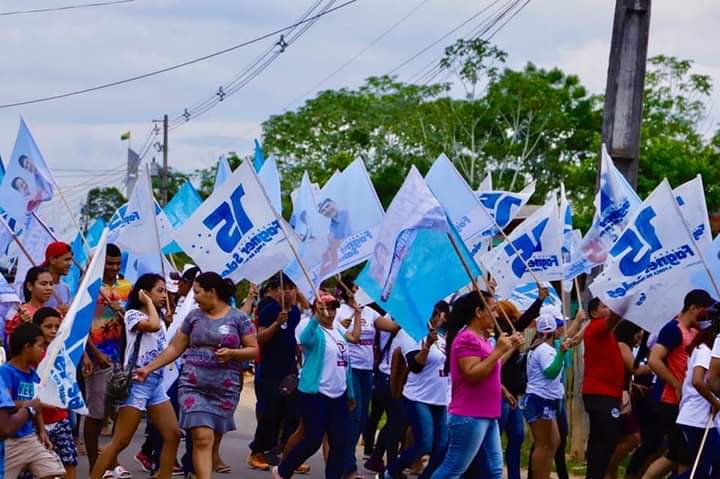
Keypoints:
pixel 277 357
pixel 6 402
pixel 21 386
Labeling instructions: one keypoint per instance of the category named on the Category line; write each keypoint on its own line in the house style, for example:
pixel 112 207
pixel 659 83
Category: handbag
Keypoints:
pixel 118 386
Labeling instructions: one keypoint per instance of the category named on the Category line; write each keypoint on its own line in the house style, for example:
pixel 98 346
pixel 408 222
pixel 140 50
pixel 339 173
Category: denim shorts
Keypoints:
pixel 536 408
pixel 147 393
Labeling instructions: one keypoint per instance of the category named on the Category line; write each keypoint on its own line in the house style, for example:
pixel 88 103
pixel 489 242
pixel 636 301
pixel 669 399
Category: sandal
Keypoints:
pixel 121 473
pixel 221 468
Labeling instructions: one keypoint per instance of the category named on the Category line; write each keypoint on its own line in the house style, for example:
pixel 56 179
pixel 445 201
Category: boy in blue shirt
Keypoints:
pixel 29 446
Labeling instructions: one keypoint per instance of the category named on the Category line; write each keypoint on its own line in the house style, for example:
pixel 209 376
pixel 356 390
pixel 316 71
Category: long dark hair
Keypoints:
pixel 706 337
pixel 146 283
pixel 224 288
pixel 461 313
pixel 32 276
pixel 625 332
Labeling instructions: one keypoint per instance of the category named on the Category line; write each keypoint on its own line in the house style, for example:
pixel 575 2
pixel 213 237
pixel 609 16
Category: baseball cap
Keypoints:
pixel 552 310
pixel 545 323
pixel 55 249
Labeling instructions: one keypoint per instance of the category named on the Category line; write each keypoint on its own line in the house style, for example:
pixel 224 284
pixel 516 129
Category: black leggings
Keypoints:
pixel 651 435
pixel 380 404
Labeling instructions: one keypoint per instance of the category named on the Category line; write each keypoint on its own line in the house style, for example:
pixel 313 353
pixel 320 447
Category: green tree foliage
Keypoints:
pixel 100 203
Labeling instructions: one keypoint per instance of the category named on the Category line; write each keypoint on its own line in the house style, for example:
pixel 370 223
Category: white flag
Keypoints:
pixel 35 239
pixel 236 232
pixel 615 202
pixel 690 196
pixel 58 369
pixel 414 208
pixel 652 266
pixel 538 240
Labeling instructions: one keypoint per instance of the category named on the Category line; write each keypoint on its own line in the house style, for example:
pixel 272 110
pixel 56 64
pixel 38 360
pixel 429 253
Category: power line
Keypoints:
pixel 359 54
pixel 253 70
pixel 176 66
pixel 67 7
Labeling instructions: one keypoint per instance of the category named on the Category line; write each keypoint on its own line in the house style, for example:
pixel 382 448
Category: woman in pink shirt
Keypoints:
pixel 474 367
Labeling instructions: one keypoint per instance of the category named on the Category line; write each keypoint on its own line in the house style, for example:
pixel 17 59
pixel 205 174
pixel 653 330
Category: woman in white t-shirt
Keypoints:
pixel 544 393
pixel 145 332
pixel 425 398
pixel 697 404
pixel 360 332
pixel 325 392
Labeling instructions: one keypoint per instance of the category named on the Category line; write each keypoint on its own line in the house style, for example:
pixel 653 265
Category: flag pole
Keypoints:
pixel 577 292
pixel 502 310
pixel 157 239
pixel 702 446
pixel 281 222
pixel 692 238
pixel 17 240
pixel 472 279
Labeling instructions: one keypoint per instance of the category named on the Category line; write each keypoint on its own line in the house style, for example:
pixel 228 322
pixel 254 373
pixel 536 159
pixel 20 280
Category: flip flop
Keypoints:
pixel 121 473
pixel 222 468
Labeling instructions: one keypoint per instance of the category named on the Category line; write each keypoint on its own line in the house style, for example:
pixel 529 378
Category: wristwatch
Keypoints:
pixel 31 410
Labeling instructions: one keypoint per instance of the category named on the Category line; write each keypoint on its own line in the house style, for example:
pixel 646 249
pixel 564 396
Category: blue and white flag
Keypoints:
pixel 653 264
pixel 615 202
pixel 525 295
pixel 133 226
pixel 467 214
pixel 504 206
pixel 538 241
pixel 223 172
pixel 58 370
pixel 28 180
pixel 414 208
pixel 236 232
pixel 93 234
pixel 269 177
pixel 690 196
pixel 179 209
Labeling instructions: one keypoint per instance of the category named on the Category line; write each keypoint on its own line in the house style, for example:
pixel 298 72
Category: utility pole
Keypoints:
pixel 165 162
pixel 622 118
pixel 626 84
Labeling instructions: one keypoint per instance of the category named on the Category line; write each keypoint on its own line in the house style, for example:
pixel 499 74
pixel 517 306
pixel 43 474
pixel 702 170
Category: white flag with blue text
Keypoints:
pixel 58 370
pixel 414 208
pixel 615 202
pixel 538 241
pixel 503 206
pixel 566 218
pixel 653 264
pixel 236 232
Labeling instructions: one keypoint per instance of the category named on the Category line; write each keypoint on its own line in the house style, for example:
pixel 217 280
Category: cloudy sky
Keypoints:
pixel 51 53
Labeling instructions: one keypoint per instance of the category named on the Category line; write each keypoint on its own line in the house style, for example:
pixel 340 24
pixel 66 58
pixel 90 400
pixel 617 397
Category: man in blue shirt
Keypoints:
pixel 29 446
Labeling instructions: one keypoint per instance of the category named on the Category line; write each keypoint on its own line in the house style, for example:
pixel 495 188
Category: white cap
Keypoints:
pixel 552 310
pixel 545 323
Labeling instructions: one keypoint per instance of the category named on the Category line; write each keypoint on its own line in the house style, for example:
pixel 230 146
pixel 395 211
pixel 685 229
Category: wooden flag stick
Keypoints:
pixel 577 292
pixel 282 291
pixel 157 239
pixel 702 446
pixel 18 242
pixel 472 279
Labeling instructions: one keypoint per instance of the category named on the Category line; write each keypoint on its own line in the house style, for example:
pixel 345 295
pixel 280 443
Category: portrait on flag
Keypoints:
pixel 27 182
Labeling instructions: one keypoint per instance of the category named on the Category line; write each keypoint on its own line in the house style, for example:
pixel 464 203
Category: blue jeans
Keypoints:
pixel 320 415
pixel 430 434
pixel 709 459
pixel 363 388
pixel 512 424
pixel 470 437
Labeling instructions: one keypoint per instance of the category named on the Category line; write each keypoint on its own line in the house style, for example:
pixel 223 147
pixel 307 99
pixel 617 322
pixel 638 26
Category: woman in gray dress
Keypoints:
pixel 216 339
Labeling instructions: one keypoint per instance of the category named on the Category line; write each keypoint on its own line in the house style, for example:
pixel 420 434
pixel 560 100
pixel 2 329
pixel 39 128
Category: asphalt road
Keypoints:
pixel 234 449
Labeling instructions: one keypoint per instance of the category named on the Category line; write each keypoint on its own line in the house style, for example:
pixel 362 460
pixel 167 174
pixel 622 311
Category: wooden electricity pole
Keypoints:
pixel 626 85
pixel 622 118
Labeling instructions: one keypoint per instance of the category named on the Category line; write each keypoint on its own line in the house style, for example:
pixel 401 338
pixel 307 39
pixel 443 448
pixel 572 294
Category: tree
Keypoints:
pixel 100 203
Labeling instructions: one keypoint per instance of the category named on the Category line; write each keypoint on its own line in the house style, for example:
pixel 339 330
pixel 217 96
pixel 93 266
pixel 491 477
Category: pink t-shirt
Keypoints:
pixel 480 399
